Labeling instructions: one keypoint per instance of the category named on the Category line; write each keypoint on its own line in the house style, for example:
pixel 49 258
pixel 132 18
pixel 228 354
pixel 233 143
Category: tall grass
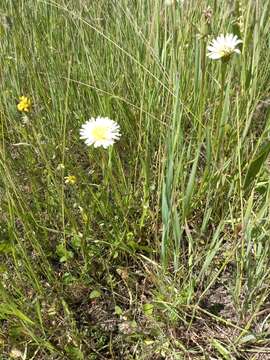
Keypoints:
pixel 161 248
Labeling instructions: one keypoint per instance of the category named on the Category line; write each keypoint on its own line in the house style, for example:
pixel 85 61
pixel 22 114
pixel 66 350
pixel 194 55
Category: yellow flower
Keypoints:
pixel 70 179
pixel 24 104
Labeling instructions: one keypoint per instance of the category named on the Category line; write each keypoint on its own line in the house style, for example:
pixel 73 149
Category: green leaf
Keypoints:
pixel 256 165
pixel 68 278
pixel 74 353
pixel 191 184
pixel 3 268
pixel 5 247
pixel 95 294
pixel 221 349
pixel 148 309
pixel 248 338
pixel 64 254
pixel 118 310
pixel 76 242
pixel 11 309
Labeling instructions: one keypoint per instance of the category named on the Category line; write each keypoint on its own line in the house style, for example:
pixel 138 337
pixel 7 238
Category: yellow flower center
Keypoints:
pixel 226 52
pixel 100 132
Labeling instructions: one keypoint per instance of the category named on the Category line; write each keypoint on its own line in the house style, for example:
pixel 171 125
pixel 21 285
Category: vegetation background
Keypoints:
pixel 160 250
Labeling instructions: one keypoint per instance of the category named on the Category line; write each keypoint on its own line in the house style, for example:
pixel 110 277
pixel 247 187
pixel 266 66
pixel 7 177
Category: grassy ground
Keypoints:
pixel 160 250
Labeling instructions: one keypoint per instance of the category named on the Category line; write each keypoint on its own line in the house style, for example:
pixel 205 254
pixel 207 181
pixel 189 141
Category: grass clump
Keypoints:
pixel 157 246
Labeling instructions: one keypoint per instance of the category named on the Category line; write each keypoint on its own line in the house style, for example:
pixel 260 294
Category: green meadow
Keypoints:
pixel 157 247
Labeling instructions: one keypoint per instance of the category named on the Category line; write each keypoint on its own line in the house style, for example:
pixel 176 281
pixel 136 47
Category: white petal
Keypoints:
pixel 214 56
pixel 100 132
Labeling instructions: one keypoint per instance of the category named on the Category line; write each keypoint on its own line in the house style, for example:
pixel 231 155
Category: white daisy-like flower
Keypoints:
pixel 101 131
pixel 223 46
pixel 171 2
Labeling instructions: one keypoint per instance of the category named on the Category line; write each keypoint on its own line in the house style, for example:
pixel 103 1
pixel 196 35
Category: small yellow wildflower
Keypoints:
pixel 24 104
pixel 70 179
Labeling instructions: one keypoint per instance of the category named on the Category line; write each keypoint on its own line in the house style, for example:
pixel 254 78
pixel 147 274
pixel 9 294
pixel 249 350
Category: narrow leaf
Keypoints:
pixel 256 165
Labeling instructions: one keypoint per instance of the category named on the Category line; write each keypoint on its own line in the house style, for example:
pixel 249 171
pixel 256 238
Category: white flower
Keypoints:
pixel 15 354
pixel 223 46
pixel 100 132
pixel 171 2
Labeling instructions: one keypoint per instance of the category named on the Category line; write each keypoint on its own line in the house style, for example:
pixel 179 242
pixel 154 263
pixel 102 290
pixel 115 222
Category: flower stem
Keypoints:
pixel 221 103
